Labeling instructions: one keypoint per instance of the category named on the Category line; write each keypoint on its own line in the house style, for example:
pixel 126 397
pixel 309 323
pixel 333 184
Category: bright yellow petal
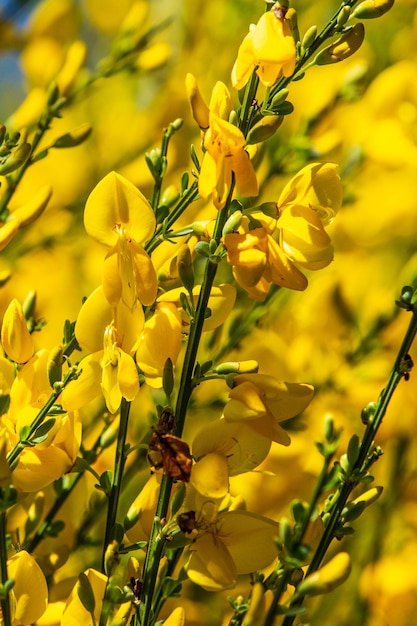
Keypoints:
pixel 244 63
pixel 249 539
pixel 127 376
pixel 207 179
pixel 177 617
pixel 110 386
pixel 161 340
pixel 145 276
pixel 281 271
pixel 16 340
pixel 209 476
pixel 95 315
pixel 75 613
pixel 87 386
pixel 210 565
pixel 115 201
pixel 30 588
pixel 111 282
pixel 246 181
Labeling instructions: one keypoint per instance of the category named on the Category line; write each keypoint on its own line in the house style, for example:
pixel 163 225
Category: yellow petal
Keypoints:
pixel 94 316
pixel 210 565
pixel 161 340
pixel 87 386
pixel 115 201
pixel 176 618
pixel 199 108
pixel 243 448
pixel 75 613
pixel 15 337
pixel 30 588
pixel 249 539
pixel 110 386
pixel 127 376
pixel 246 181
pixel 210 477
pixel 303 237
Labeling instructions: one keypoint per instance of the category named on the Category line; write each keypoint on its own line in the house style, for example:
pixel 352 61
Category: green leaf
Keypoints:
pixel 85 593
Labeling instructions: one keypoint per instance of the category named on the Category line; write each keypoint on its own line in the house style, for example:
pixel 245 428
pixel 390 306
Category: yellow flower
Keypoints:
pixel 160 340
pixel 224 143
pixel 258 261
pixel 49 459
pixel 118 215
pixel 268 48
pixel 263 402
pixel 112 335
pixel 29 595
pixel 316 186
pixel 242 446
pixel 16 340
pixel 236 542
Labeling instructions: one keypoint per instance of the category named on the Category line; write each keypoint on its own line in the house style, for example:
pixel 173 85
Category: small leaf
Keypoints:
pixel 85 593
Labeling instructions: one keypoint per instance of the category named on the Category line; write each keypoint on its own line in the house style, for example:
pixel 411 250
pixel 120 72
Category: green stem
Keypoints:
pixel 119 465
pixel 396 374
pixel 5 602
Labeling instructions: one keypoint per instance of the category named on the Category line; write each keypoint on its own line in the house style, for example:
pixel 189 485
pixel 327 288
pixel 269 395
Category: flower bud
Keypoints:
pixel 16 159
pixel 185 267
pixel 369 496
pixel 74 137
pixel 372 8
pixel 30 211
pixel 237 367
pixel 111 557
pixel 310 37
pixel 343 16
pixel 264 129
pixel 254 616
pixel 74 61
pixel 169 196
pixel 232 223
pixel 343 48
pixel 328 577
pixel 8 231
pixel 54 366
pixel 15 337
pixel 199 108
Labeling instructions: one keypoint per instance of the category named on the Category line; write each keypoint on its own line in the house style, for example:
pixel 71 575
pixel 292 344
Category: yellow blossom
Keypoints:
pixel 263 402
pixel 112 335
pixel 258 261
pixel 161 340
pixel 225 155
pixel 15 337
pixel 236 542
pixel 118 215
pixel 316 186
pixel 48 460
pixel 268 48
pixel 29 595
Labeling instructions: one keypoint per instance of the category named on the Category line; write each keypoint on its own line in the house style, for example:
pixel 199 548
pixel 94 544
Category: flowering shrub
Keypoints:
pixel 194 340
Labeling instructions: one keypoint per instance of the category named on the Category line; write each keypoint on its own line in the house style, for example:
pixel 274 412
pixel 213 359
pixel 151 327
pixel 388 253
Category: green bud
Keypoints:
pixel 74 137
pixel 370 9
pixel 343 16
pixel 53 94
pixel 353 450
pixel 310 37
pixel 237 367
pixel 232 223
pixel 264 129
pixel 176 124
pixel 353 510
pixel 168 378
pixel 343 48
pixel 202 248
pixel 368 413
pixel 85 593
pixel 132 517
pixel 178 498
pixel 54 366
pixel 29 305
pixel 169 196
pixel 185 267
pixel 233 118
pixel 2 133
pixel 369 496
pixel 16 159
